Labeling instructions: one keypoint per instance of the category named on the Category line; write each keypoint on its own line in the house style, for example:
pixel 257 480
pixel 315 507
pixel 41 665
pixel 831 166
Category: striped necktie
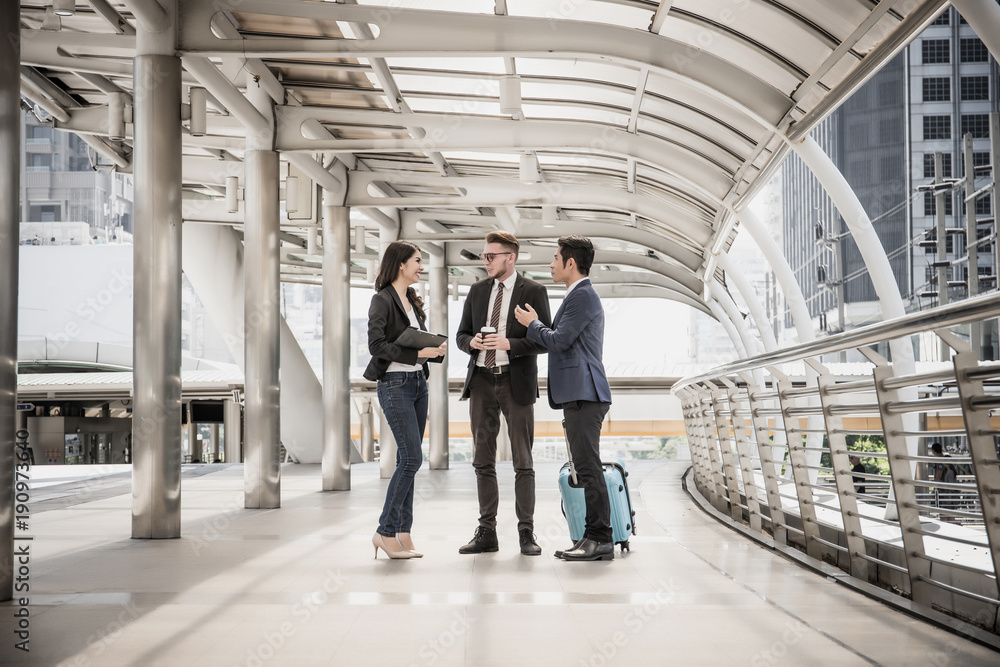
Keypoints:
pixel 491 355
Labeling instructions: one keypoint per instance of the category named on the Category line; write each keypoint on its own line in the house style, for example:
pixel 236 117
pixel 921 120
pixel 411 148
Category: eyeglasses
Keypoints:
pixel 488 257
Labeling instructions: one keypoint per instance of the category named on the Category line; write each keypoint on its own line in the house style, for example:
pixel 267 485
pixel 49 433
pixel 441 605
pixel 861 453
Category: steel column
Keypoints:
pixel 901 474
pixel 972 247
pixel 336 460
pixel 193 444
pixel 723 430
pixel 941 241
pixel 982 451
pixel 262 467
pixel 843 478
pixel 156 420
pixel 438 323
pixel 745 460
pixel 213 442
pixel 767 449
pixel 367 416
pixel 233 431
pixel 10 197
pixel 798 463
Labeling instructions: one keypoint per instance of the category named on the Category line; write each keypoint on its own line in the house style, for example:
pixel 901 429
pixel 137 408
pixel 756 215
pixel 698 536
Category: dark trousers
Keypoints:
pixel 583 430
pixel 489 396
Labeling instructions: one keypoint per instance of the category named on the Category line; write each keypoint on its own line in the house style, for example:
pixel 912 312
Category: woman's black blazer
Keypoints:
pixel 387 320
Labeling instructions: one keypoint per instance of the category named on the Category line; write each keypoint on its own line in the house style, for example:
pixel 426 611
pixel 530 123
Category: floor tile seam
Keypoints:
pixel 751 589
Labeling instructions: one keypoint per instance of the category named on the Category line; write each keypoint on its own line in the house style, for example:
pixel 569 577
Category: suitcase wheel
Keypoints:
pixel 625 546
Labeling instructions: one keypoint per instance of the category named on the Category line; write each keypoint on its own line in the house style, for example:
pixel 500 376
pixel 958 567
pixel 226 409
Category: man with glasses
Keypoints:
pixel 502 378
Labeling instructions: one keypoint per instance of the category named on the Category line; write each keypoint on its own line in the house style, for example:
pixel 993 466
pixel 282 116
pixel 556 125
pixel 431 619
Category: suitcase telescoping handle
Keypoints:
pixel 569 455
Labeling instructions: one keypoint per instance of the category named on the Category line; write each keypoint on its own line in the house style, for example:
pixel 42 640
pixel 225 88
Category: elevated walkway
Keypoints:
pixel 298 585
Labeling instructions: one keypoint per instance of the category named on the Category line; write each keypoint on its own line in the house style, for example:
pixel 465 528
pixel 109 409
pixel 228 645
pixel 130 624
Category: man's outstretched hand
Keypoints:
pixel 525 315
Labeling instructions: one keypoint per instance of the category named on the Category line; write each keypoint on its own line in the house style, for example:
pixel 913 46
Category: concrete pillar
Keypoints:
pixel 193 444
pixel 156 417
pixel 10 217
pixel 437 322
pixel 262 313
pixel 233 431
pixel 213 443
pixel 367 414
pixel 262 471
pixel 336 461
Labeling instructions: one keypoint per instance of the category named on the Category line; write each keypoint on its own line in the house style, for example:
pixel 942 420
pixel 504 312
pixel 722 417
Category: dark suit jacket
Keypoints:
pixel 522 353
pixel 387 319
pixel 576 348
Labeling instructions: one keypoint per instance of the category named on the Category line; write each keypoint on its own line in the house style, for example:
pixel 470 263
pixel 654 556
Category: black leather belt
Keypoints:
pixel 496 370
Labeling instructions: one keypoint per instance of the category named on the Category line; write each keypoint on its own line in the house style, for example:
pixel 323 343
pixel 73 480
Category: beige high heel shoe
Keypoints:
pixel 391 547
pixel 406 542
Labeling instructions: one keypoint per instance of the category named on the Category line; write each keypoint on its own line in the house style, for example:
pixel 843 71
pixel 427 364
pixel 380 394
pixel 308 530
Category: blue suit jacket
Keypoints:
pixel 576 346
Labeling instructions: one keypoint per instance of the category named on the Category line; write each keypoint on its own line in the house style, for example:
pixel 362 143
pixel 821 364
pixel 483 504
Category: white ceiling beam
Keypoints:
pixel 469 133
pixel 530 229
pixel 407 32
pixel 688 222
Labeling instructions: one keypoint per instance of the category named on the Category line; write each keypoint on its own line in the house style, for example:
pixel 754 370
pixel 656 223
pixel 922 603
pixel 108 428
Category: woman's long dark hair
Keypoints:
pixel 396 253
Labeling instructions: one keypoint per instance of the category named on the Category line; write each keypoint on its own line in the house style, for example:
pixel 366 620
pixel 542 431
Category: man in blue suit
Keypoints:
pixel 578 384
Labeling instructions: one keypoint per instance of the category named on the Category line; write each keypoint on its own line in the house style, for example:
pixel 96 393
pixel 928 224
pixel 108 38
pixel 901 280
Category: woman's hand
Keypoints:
pixel 432 352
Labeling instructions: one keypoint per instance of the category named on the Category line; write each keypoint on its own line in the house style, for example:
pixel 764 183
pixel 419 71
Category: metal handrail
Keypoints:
pixel 961 312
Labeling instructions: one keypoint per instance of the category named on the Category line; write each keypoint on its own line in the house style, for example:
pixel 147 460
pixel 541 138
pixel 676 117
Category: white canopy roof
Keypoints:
pixel 644 125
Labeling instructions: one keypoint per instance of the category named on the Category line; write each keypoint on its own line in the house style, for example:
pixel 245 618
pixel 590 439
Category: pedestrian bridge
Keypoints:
pixel 298 586
pixel 292 141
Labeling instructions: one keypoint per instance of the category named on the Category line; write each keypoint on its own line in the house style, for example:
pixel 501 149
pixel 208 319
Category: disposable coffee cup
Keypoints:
pixel 486 331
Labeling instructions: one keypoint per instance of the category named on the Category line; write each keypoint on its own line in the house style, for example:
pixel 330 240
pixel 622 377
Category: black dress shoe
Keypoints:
pixel 591 550
pixel 528 545
pixel 576 545
pixel 484 541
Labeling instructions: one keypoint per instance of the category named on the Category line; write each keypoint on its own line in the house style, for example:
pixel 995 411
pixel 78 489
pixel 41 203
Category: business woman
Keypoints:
pixel 401 374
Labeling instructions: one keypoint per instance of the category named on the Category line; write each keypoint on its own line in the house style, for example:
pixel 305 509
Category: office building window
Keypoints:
pixel 931 247
pixel 937 89
pixel 39 162
pixel 943 19
pixel 929 165
pixel 972 50
pixel 983 205
pixel 937 127
pixel 930 209
pixel 936 51
pixel 975 88
pixel 976 124
pixel 979 159
pixel 38 134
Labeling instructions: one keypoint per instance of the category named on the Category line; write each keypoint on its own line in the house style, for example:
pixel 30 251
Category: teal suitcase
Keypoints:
pixel 575 507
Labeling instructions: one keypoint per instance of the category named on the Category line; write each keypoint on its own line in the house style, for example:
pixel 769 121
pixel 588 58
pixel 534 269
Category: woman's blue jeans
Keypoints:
pixel 403 397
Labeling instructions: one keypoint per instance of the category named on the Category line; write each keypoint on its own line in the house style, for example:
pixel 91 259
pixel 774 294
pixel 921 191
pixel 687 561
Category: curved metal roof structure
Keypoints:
pixel 645 125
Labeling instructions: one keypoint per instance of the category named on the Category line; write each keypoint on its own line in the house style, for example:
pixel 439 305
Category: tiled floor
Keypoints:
pixel 298 586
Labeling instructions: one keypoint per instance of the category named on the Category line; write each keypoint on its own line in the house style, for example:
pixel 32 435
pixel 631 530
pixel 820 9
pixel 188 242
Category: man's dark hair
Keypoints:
pixel 506 239
pixel 936 448
pixel 580 249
